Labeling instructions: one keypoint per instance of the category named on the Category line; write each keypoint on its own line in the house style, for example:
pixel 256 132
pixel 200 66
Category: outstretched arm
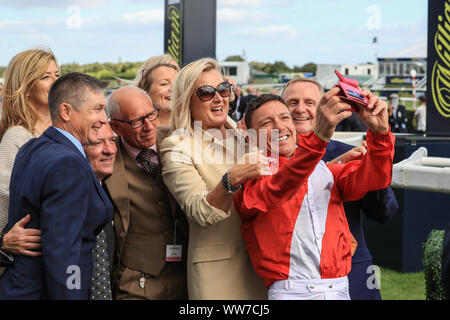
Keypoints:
pixel 268 193
pixel 265 194
pixel 374 171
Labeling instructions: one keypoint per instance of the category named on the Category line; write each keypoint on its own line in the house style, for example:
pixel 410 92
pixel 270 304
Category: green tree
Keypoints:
pixel 258 65
pixel 281 67
pixel 277 67
pixel 70 67
pixel 2 71
pixel 93 67
pixel 104 74
pixel 234 58
pixel 308 67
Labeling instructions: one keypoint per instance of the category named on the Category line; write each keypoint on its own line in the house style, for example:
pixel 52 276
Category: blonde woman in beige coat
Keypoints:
pixel 200 169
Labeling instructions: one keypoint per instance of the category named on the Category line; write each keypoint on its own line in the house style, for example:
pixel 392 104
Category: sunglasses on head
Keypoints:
pixel 207 93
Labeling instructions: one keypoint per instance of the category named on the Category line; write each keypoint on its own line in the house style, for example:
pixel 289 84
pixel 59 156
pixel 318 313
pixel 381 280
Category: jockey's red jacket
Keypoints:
pixel 294 222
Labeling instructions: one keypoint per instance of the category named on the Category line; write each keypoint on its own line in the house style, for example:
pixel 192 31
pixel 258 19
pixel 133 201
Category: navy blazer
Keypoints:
pixel 378 205
pixel 54 181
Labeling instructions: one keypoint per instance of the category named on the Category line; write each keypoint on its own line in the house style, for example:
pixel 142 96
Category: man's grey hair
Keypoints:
pixel 308 80
pixel 112 107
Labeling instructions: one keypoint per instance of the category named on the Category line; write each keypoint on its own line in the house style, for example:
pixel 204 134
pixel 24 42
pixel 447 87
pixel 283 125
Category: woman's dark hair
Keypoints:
pixel 256 103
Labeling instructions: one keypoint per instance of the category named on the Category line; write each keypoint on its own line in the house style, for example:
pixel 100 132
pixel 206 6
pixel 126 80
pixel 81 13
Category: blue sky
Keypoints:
pixel 294 31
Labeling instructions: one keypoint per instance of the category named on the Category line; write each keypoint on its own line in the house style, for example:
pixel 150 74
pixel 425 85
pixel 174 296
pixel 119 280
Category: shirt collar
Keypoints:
pixel 72 139
pixel 133 151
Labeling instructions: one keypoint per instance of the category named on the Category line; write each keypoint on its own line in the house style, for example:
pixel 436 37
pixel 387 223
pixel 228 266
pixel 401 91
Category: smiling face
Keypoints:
pixel 102 153
pixel 86 121
pixel 302 99
pixel 213 113
pixel 134 104
pixel 161 89
pixel 275 119
pixel 38 94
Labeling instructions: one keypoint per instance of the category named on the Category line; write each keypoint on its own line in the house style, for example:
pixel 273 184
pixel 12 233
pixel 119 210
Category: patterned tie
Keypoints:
pixel 144 159
pixel 100 284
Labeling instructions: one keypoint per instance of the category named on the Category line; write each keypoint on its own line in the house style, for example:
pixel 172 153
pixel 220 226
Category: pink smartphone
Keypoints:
pixel 350 92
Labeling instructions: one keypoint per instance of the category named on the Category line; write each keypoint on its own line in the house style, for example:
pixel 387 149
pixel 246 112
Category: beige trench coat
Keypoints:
pixel 218 263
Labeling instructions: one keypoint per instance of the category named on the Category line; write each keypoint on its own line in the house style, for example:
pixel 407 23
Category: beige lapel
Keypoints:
pixel 162 133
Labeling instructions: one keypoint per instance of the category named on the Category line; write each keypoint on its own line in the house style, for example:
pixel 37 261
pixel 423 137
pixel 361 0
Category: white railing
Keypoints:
pixel 351 138
pixel 420 172
pixel 422 84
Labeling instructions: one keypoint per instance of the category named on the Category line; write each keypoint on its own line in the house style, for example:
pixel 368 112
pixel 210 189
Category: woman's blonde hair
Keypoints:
pixel 183 90
pixel 144 76
pixel 24 70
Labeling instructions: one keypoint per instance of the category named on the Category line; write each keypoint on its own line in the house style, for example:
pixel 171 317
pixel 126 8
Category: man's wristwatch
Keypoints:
pixel 226 183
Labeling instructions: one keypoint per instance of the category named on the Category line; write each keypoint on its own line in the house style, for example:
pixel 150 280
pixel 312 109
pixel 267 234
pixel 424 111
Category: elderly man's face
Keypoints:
pixel 87 121
pixel 136 105
pixel 101 154
pixel 275 119
pixel 302 98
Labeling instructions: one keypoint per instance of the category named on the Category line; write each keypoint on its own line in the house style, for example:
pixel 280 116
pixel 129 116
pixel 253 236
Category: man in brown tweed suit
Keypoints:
pixel 151 229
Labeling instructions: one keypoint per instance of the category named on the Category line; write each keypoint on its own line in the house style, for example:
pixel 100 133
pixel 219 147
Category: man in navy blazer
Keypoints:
pixel 53 181
pixel 303 97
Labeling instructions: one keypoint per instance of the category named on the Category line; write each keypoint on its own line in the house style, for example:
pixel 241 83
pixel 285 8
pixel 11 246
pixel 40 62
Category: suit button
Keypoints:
pixel 122 234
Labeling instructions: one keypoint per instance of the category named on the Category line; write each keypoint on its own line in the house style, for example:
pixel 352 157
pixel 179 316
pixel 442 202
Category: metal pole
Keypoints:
pixel 413 76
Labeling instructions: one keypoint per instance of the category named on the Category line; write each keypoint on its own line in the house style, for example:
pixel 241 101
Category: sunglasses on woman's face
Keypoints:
pixel 207 93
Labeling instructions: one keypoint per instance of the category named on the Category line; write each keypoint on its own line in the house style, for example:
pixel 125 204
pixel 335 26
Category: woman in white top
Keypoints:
pixel 25 114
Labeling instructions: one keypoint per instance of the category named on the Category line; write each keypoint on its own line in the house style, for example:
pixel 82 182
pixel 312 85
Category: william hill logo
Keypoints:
pixel 175 36
pixel 440 79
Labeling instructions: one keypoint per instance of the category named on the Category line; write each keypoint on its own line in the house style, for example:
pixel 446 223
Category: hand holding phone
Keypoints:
pixel 350 92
